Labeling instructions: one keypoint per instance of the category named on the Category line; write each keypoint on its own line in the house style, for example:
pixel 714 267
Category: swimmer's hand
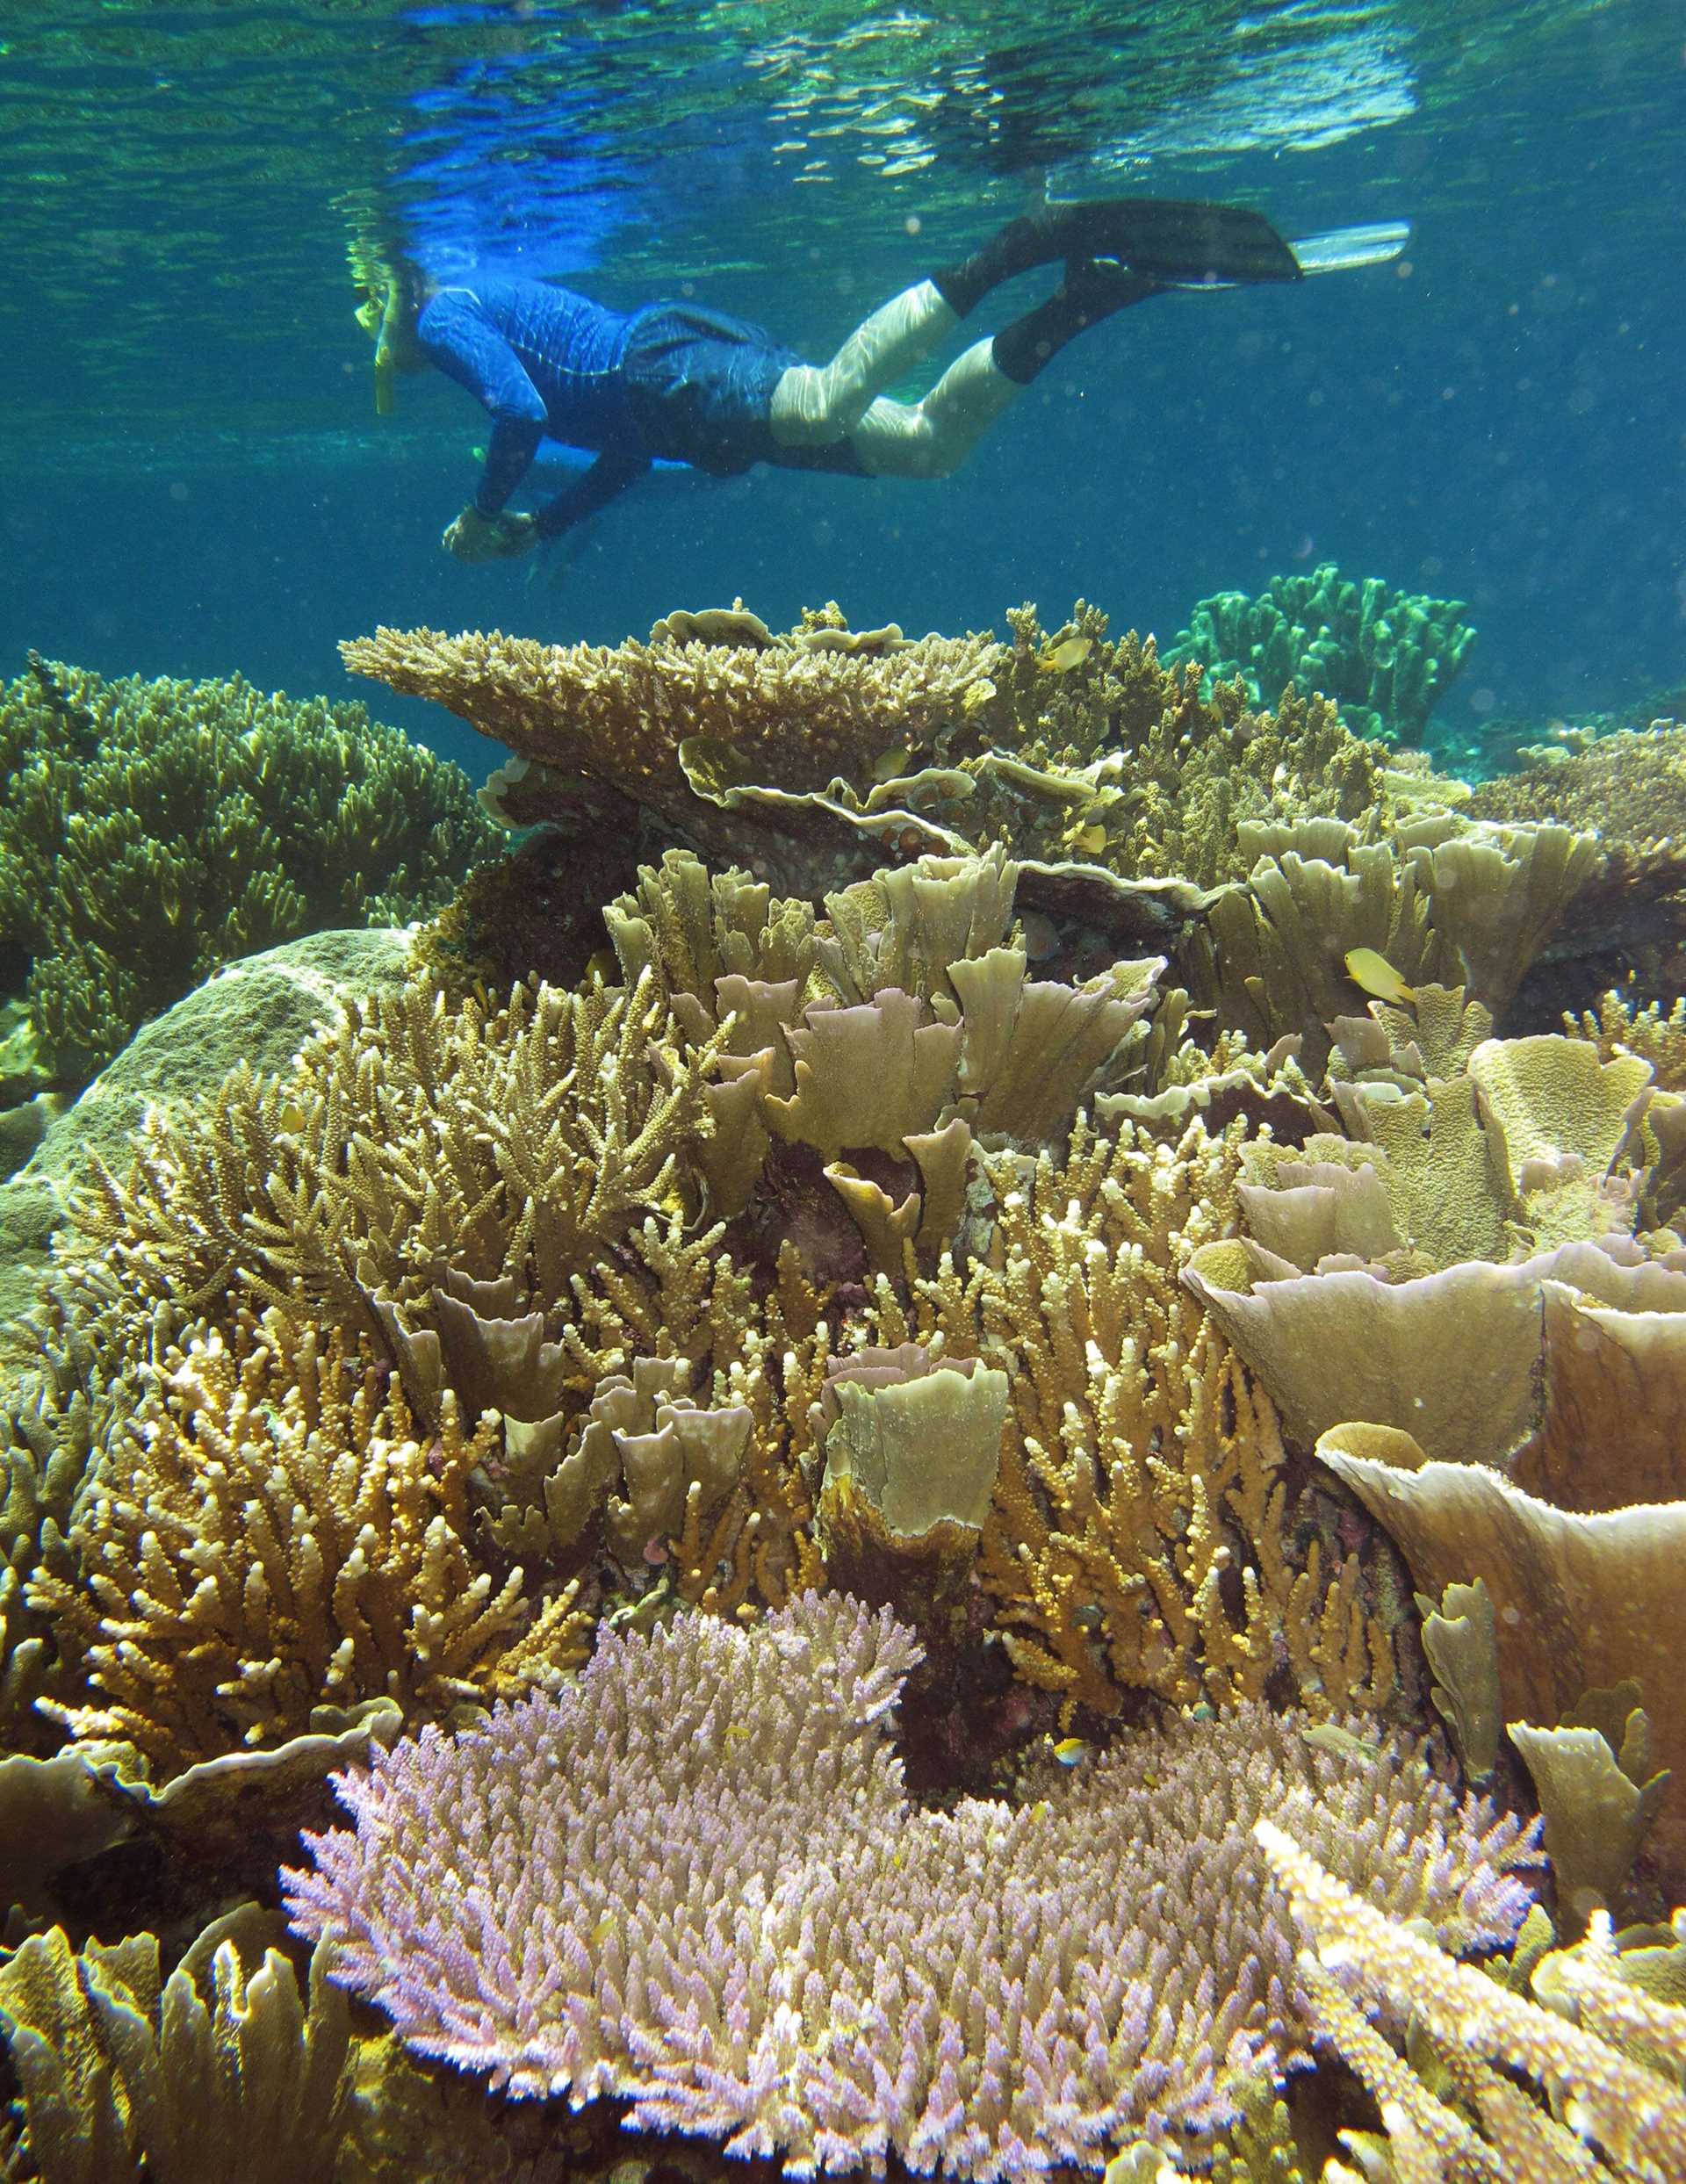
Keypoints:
pixel 477 538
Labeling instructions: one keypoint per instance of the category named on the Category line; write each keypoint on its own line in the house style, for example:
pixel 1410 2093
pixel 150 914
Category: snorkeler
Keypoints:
pixel 678 383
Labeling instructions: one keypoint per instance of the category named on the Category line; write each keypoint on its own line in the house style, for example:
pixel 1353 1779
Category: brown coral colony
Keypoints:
pixel 966 1504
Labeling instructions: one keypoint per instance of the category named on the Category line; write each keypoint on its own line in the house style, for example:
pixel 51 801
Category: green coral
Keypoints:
pixel 1385 657
pixel 154 830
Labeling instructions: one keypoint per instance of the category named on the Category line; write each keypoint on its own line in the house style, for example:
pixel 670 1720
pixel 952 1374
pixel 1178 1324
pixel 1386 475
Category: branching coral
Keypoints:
pixel 1612 2080
pixel 223 2069
pixel 154 830
pixel 1384 656
pixel 516 1142
pixel 266 1539
pixel 1138 1539
pixel 748 1931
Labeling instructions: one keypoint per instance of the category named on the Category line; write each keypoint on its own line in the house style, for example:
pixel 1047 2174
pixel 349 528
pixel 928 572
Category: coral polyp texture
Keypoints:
pixel 696 1879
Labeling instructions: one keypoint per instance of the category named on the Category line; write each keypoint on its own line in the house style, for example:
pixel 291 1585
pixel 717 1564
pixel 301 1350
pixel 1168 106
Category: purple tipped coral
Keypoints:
pixel 695 1879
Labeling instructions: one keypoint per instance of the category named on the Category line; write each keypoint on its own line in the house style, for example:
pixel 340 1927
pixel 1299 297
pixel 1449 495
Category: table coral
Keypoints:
pixel 748 1930
pixel 814 763
pixel 154 830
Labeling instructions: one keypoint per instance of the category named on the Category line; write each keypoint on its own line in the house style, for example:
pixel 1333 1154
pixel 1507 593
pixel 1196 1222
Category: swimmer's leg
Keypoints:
pixel 815 405
pixel 932 437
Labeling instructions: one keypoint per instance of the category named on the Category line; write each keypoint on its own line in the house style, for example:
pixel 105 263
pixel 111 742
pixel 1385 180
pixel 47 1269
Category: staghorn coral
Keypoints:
pixel 1383 656
pixel 153 831
pixel 1138 1540
pixel 1619 1026
pixel 1614 2112
pixel 265 1538
pixel 753 1935
pixel 222 2069
pixel 412 1141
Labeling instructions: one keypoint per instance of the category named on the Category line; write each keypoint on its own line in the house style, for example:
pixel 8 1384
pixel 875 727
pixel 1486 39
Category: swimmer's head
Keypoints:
pixel 393 293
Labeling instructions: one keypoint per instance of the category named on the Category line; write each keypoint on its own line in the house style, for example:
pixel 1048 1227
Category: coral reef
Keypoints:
pixel 748 1931
pixel 268 1538
pixel 1632 788
pixel 1385 657
pixel 578 1392
pixel 154 830
pixel 222 2069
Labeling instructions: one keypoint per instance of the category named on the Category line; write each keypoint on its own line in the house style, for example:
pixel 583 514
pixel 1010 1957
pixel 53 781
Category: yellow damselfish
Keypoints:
pixel 1061 659
pixel 1377 976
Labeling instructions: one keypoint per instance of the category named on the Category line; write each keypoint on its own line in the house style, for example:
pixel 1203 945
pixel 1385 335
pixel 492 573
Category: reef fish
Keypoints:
pixel 1071 1751
pixel 1061 659
pixel 1377 976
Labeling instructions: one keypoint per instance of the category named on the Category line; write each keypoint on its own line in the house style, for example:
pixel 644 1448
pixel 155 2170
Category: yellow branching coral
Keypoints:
pixel 1619 1028
pixel 221 2070
pixel 1173 775
pixel 271 1539
pixel 1138 1535
pixel 1614 2113
pixel 412 1139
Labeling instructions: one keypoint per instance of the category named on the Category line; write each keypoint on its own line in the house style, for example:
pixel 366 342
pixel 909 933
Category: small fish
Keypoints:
pixel 603 1928
pixel 1040 1810
pixel 1072 1751
pixel 888 764
pixel 1061 659
pixel 1328 1736
pixel 1089 840
pixel 1377 976
pixel 978 695
pixel 292 1117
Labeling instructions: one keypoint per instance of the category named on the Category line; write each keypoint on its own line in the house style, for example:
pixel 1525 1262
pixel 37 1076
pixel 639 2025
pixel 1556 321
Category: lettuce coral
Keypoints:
pixel 695 1879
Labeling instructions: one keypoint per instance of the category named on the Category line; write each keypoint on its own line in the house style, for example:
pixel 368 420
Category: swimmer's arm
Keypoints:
pixel 609 477
pixel 455 335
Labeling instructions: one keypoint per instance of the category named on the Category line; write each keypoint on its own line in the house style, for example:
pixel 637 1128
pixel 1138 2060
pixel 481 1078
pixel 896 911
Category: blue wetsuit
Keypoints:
pixel 672 380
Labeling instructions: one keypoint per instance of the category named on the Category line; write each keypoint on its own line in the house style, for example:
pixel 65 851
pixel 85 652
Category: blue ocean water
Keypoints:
pixel 192 479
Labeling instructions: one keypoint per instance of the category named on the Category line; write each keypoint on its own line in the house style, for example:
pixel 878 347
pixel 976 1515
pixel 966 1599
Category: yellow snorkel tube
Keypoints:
pixel 385 314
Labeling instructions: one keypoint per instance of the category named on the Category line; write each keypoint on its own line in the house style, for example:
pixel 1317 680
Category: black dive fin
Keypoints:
pixel 1182 241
